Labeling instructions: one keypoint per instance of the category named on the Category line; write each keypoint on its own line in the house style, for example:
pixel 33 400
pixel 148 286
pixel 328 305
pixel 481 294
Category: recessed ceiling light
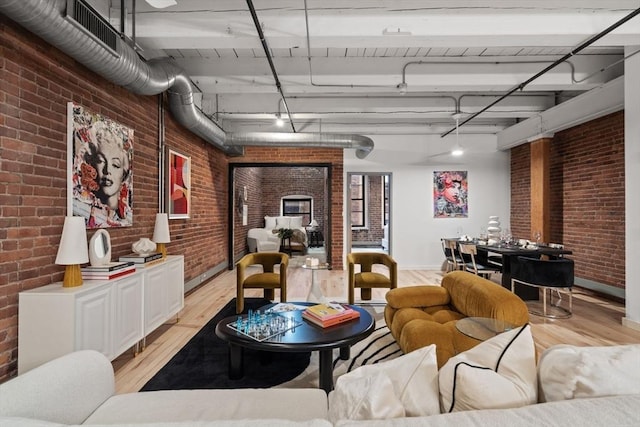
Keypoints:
pixel 161 4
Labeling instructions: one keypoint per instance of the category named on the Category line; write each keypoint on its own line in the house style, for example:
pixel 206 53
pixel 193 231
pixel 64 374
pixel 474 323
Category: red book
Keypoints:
pixel 116 274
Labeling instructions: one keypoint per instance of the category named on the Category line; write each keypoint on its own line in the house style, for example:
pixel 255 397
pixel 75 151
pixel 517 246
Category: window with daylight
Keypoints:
pixel 357 190
pixel 298 206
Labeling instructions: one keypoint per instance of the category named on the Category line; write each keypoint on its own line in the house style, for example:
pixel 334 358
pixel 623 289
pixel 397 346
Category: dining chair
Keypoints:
pixel 550 276
pixel 267 279
pixel 475 266
pixel 450 249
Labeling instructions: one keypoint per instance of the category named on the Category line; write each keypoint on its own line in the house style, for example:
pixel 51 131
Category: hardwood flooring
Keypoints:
pixel 596 321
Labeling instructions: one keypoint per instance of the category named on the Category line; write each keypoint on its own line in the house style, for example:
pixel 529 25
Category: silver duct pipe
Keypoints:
pixel 46 19
pixel 362 144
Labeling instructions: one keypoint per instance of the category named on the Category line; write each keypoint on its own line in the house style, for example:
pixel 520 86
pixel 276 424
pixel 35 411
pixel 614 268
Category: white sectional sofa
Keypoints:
pixel 78 389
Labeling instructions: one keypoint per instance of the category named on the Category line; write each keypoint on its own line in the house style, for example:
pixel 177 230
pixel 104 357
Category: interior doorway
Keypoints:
pixel 368 206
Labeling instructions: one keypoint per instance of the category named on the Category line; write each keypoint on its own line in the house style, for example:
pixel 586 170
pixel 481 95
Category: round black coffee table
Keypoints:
pixel 305 337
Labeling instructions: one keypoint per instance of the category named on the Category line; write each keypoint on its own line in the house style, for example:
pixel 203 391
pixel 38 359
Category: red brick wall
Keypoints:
pixel 251 177
pixel 587 197
pixel 37 82
pixel 521 192
pixel 332 156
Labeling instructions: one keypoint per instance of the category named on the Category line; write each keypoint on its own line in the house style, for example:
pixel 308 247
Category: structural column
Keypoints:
pixel 540 187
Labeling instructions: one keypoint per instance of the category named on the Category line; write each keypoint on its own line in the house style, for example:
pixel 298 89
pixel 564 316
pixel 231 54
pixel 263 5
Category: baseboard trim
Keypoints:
pixel 600 287
pixel 631 324
pixel 201 278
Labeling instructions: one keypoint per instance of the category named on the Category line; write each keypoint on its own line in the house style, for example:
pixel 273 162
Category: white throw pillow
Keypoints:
pixel 570 372
pixel 270 222
pixel 497 373
pixel 371 397
pixel 414 379
pixel 296 222
pixel 283 222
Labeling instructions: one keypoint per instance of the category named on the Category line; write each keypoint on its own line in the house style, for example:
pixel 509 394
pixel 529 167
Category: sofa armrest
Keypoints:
pixel 64 390
pixel 417 296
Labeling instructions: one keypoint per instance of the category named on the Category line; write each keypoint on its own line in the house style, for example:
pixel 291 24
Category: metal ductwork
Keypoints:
pixel 53 21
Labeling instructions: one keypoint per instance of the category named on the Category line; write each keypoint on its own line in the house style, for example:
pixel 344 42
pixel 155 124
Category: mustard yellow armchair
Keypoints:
pixel 366 279
pixel 268 279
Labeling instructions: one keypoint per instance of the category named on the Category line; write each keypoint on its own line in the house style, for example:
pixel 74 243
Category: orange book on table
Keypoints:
pixel 328 311
pixel 347 315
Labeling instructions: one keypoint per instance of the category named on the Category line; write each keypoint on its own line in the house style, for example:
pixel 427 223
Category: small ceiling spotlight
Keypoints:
pixel 402 88
pixel 457 150
pixel 279 121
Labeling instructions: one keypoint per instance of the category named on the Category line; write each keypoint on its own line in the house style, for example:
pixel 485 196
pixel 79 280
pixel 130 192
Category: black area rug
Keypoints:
pixel 202 362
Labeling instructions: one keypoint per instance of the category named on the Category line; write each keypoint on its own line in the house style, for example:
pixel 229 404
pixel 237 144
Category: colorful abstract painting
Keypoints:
pixel 450 190
pixel 179 185
pixel 101 175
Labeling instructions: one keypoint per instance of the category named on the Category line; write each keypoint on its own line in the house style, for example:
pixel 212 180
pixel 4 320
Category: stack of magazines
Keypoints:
pixel 108 271
pixel 329 314
pixel 143 260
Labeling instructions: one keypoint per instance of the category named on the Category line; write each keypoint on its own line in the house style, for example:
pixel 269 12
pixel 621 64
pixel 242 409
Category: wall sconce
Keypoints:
pixel 73 250
pixel 161 233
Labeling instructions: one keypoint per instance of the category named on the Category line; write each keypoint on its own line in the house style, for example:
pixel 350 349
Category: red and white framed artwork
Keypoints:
pixel 178 185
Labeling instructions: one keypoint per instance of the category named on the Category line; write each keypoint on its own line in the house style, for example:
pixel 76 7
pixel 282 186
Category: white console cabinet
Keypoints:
pixel 107 316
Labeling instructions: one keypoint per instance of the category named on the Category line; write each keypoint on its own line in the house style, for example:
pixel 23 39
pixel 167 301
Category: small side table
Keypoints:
pixel 315 238
pixel 482 328
pixel 315 293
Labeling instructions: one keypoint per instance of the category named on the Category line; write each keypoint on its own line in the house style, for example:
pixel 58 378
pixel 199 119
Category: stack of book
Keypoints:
pixel 143 260
pixel 108 271
pixel 330 314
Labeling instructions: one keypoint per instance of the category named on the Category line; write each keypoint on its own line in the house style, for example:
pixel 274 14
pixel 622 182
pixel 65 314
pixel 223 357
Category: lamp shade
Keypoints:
pixel 161 230
pixel 73 247
pixel 313 223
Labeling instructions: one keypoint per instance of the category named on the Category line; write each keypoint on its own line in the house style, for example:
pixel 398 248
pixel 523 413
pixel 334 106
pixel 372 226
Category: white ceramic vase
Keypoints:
pixel 493 228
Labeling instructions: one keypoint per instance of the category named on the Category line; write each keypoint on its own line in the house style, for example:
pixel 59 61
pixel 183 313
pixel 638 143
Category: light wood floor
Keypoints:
pixel 596 321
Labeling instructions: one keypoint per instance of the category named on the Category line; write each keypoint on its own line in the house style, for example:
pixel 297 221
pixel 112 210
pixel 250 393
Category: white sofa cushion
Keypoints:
pixel 295 222
pixel 26 422
pixel 270 222
pixel 497 373
pixel 414 385
pixel 369 397
pixel 209 405
pixel 569 372
pixel 597 412
pixel 64 390
pixel 283 222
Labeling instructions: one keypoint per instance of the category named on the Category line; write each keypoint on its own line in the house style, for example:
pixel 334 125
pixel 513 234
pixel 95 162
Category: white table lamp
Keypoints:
pixel 73 250
pixel 161 233
pixel 313 223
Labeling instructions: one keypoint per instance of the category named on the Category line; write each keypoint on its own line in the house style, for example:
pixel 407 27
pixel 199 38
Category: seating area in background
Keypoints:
pixel 551 277
pixel 366 278
pixel 268 279
pixel 266 239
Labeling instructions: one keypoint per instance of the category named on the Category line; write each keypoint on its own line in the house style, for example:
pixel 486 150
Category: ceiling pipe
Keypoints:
pixel 521 86
pixel 47 19
pixel 267 52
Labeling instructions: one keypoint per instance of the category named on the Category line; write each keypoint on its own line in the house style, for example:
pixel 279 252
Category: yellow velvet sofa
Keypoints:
pixel 423 315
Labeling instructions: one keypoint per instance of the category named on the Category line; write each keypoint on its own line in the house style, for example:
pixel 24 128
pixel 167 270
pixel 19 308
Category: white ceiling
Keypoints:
pixel 453 55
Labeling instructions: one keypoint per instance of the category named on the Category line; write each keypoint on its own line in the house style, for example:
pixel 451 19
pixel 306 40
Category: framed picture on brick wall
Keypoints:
pixel 100 169
pixel 178 185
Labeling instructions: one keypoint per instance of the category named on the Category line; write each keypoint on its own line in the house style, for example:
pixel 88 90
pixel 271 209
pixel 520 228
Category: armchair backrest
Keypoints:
pixel 268 260
pixel 366 260
pixel 546 272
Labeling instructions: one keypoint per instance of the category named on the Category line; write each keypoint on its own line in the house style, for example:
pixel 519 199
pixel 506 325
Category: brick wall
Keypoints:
pixel 251 177
pixel 587 197
pixel 37 82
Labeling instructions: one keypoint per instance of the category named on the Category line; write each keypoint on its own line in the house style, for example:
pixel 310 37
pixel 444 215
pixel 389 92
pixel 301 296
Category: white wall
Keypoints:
pixel 415 234
pixel 632 177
